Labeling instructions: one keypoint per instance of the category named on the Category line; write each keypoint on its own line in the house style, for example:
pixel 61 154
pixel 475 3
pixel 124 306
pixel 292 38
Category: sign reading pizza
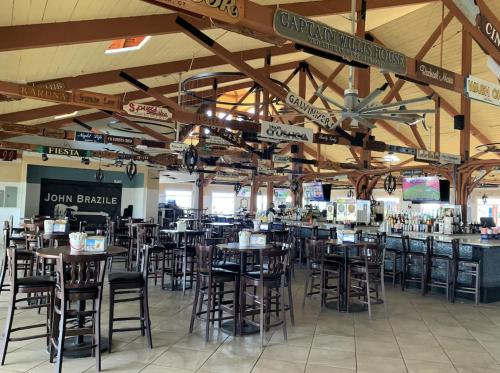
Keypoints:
pixel 147 111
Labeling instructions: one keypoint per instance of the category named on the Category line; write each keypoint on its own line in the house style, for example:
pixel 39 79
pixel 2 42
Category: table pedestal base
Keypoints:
pixel 246 329
pixel 75 350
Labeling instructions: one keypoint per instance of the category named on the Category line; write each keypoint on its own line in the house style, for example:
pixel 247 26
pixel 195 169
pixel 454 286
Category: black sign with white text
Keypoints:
pixel 80 197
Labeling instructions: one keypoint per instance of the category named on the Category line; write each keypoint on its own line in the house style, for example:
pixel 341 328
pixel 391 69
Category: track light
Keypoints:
pixel 85 161
pixel 45 157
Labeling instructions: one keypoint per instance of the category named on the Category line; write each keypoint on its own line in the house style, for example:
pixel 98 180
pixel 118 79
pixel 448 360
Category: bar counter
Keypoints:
pixel 471 246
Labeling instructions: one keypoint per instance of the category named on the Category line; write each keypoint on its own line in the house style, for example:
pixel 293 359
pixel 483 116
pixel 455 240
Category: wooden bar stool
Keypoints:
pixel 135 283
pixel 469 267
pixel 42 285
pixel 412 260
pixel 210 290
pixel 438 263
pixel 315 250
pixel 393 257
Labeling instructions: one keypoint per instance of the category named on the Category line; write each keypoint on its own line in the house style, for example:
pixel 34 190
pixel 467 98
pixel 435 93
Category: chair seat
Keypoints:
pixel 221 275
pixel 125 277
pixel 228 266
pixel 255 275
pixel 36 281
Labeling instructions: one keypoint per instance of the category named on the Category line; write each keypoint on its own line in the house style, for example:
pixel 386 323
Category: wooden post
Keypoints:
pixel 437 126
pixel 464 101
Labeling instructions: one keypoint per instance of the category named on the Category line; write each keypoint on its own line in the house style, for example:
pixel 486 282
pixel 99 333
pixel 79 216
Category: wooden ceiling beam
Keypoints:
pixel 89 31
pixel 485 44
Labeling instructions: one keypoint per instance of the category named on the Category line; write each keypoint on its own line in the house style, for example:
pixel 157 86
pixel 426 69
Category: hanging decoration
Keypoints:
pixel 131 170
pixel 99 174
pixel 390 184
pixel 350 193
pixel 190 158
pixel 199 183
pixel 237 188
pixel 484 198
pixel 294 186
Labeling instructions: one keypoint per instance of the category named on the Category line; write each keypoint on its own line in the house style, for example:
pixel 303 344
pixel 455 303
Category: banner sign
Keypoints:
pixel 409 173
pixel 147 111
pixel 278 158
pixel 310 111
pixel 8 155
pixel 64 151
pixel 97 100
pixel 401 149
pixel 489 30
pixel 89 137
pixel 119 140
pixel 230 11
pixel 285 132
pixel 320 36
pixel 435 75
pixel 482 90
pixel 60 198
pixel 446 158
pixel 57 85
pixel 216 140
pixel 325 138
pixel 231 137
pixel 44 93
pixel 178 146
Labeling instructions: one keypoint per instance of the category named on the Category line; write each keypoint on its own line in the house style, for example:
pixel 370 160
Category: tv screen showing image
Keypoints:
pixel 421 189
pixel 313 192
pixel 244 192
pixel 281 193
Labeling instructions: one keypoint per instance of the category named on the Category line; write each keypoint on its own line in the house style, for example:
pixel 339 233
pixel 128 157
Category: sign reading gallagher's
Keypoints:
pixel 323 37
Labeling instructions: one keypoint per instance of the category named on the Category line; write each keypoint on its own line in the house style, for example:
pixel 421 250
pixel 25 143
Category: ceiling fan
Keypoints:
pixel 363 111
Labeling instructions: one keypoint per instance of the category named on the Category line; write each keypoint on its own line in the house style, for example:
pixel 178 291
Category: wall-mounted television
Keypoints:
pixel 281 193
pixel 317 192
pixel 425 189
pixel 245 192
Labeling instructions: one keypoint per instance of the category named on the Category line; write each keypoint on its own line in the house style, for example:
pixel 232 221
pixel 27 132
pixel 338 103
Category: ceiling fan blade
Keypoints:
pixel 372 96
pixel 403 112
pixel 364 122
pixel 320 94
pixel 400 119
pixel 396 104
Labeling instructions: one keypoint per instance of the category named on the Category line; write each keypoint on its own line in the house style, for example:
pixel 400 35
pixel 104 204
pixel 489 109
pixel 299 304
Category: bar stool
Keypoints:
pixel 210 283
pixel 438 263
pixel 411 260
pixel 79 279
pixel 43 285
pixel 136 283
pixel 465 267
pixel 393 257
pixel 315 250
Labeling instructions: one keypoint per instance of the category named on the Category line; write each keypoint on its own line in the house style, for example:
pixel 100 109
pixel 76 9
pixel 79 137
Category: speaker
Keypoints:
pixel 294 149
pixel 458 122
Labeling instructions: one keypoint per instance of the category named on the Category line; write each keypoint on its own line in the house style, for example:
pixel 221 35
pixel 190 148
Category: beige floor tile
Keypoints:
pixel 477 370
pixel 286 353
pixel 375 364
pixel 425 353
pixel 420 366
pixel 293 339
pixel 315 368
pixel 228 363
pixel 137 352
pixel 277 366
pixel 334 342
pixel 151 368
pixel 334 358
pixel 372 348
pixel 69 365
pixel 449 343
pixel 472 359
pixel 122 366
pixel 176 357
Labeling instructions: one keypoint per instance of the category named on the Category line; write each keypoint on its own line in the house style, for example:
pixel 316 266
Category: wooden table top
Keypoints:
pixel 235 246
pixel 66 250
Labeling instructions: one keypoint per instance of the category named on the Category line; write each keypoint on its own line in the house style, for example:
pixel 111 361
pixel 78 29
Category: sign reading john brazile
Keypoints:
pixel 320 36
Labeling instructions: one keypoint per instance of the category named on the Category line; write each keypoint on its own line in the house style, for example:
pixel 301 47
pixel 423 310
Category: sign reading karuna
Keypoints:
pixel 320 36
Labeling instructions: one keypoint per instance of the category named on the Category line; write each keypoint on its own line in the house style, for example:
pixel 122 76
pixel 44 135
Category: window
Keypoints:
pixel 261 202
pixel 223 203
pixel 490 209
pixel 182 198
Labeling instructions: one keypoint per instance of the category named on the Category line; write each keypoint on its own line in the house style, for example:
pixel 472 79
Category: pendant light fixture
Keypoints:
pixel 131 170
pixel 99 174
pixel 190 158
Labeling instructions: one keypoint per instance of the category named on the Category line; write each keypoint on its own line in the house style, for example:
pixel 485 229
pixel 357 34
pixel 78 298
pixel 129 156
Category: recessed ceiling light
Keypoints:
pixel 67 115
pixel 127 44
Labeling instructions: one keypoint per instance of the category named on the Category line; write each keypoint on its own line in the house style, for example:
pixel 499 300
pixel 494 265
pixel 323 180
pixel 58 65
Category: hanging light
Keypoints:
pixel 99 174
pixel 390 184
pixel 237 188
pixel 484 198
pixel 294 186
pixel 350 193
pixel 190 158
pixel 131 170
pixel 199 183
pixel 45 157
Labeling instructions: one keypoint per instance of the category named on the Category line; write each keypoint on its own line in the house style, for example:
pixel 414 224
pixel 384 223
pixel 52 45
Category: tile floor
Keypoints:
pixel 417 334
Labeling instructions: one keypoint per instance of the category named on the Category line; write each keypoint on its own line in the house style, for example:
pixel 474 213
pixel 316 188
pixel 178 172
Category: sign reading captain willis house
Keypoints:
pixel 320 36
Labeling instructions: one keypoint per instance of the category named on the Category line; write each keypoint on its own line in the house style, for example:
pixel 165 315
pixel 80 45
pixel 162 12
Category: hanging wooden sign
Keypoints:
pixel 147 111
pixel 482 90
pixel 426 156
pixel 89 137
pixel 97 100
pixel 326 138
pixel 178 146
pixel 229 11
pixel 310 111
pixel 278 158
pixel 489 30
pixel 56 85
pixel 44 93
pixel 8 155
pixel 435 75
pixel 285 132
pixel 322 37
pixel 445 158
pixel 119 140
pixel 64 151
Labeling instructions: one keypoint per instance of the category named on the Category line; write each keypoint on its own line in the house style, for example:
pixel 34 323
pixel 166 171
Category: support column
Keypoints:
pixel 437 125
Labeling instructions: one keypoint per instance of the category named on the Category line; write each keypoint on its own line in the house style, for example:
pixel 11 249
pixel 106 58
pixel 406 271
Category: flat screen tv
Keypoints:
pixel 281 193
pixel 317 192
pixel 421 189
pixel 245 192
pixel 444 190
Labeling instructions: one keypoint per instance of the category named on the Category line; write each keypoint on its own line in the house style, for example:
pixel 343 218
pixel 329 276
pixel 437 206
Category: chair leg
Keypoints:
pixel 147 319
pixel 195 304
pixel 281 299
pixel 235 304
pixel 8 326
pixel 305 288
pixel 368 296
pixel 423 277
pixel 477 288
pixel 209 307
pixel 262 317
pixel 3 269
pixel 141 313
pixel 111 317
pixel 60 339
pixel 97 337
pixel 290 302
